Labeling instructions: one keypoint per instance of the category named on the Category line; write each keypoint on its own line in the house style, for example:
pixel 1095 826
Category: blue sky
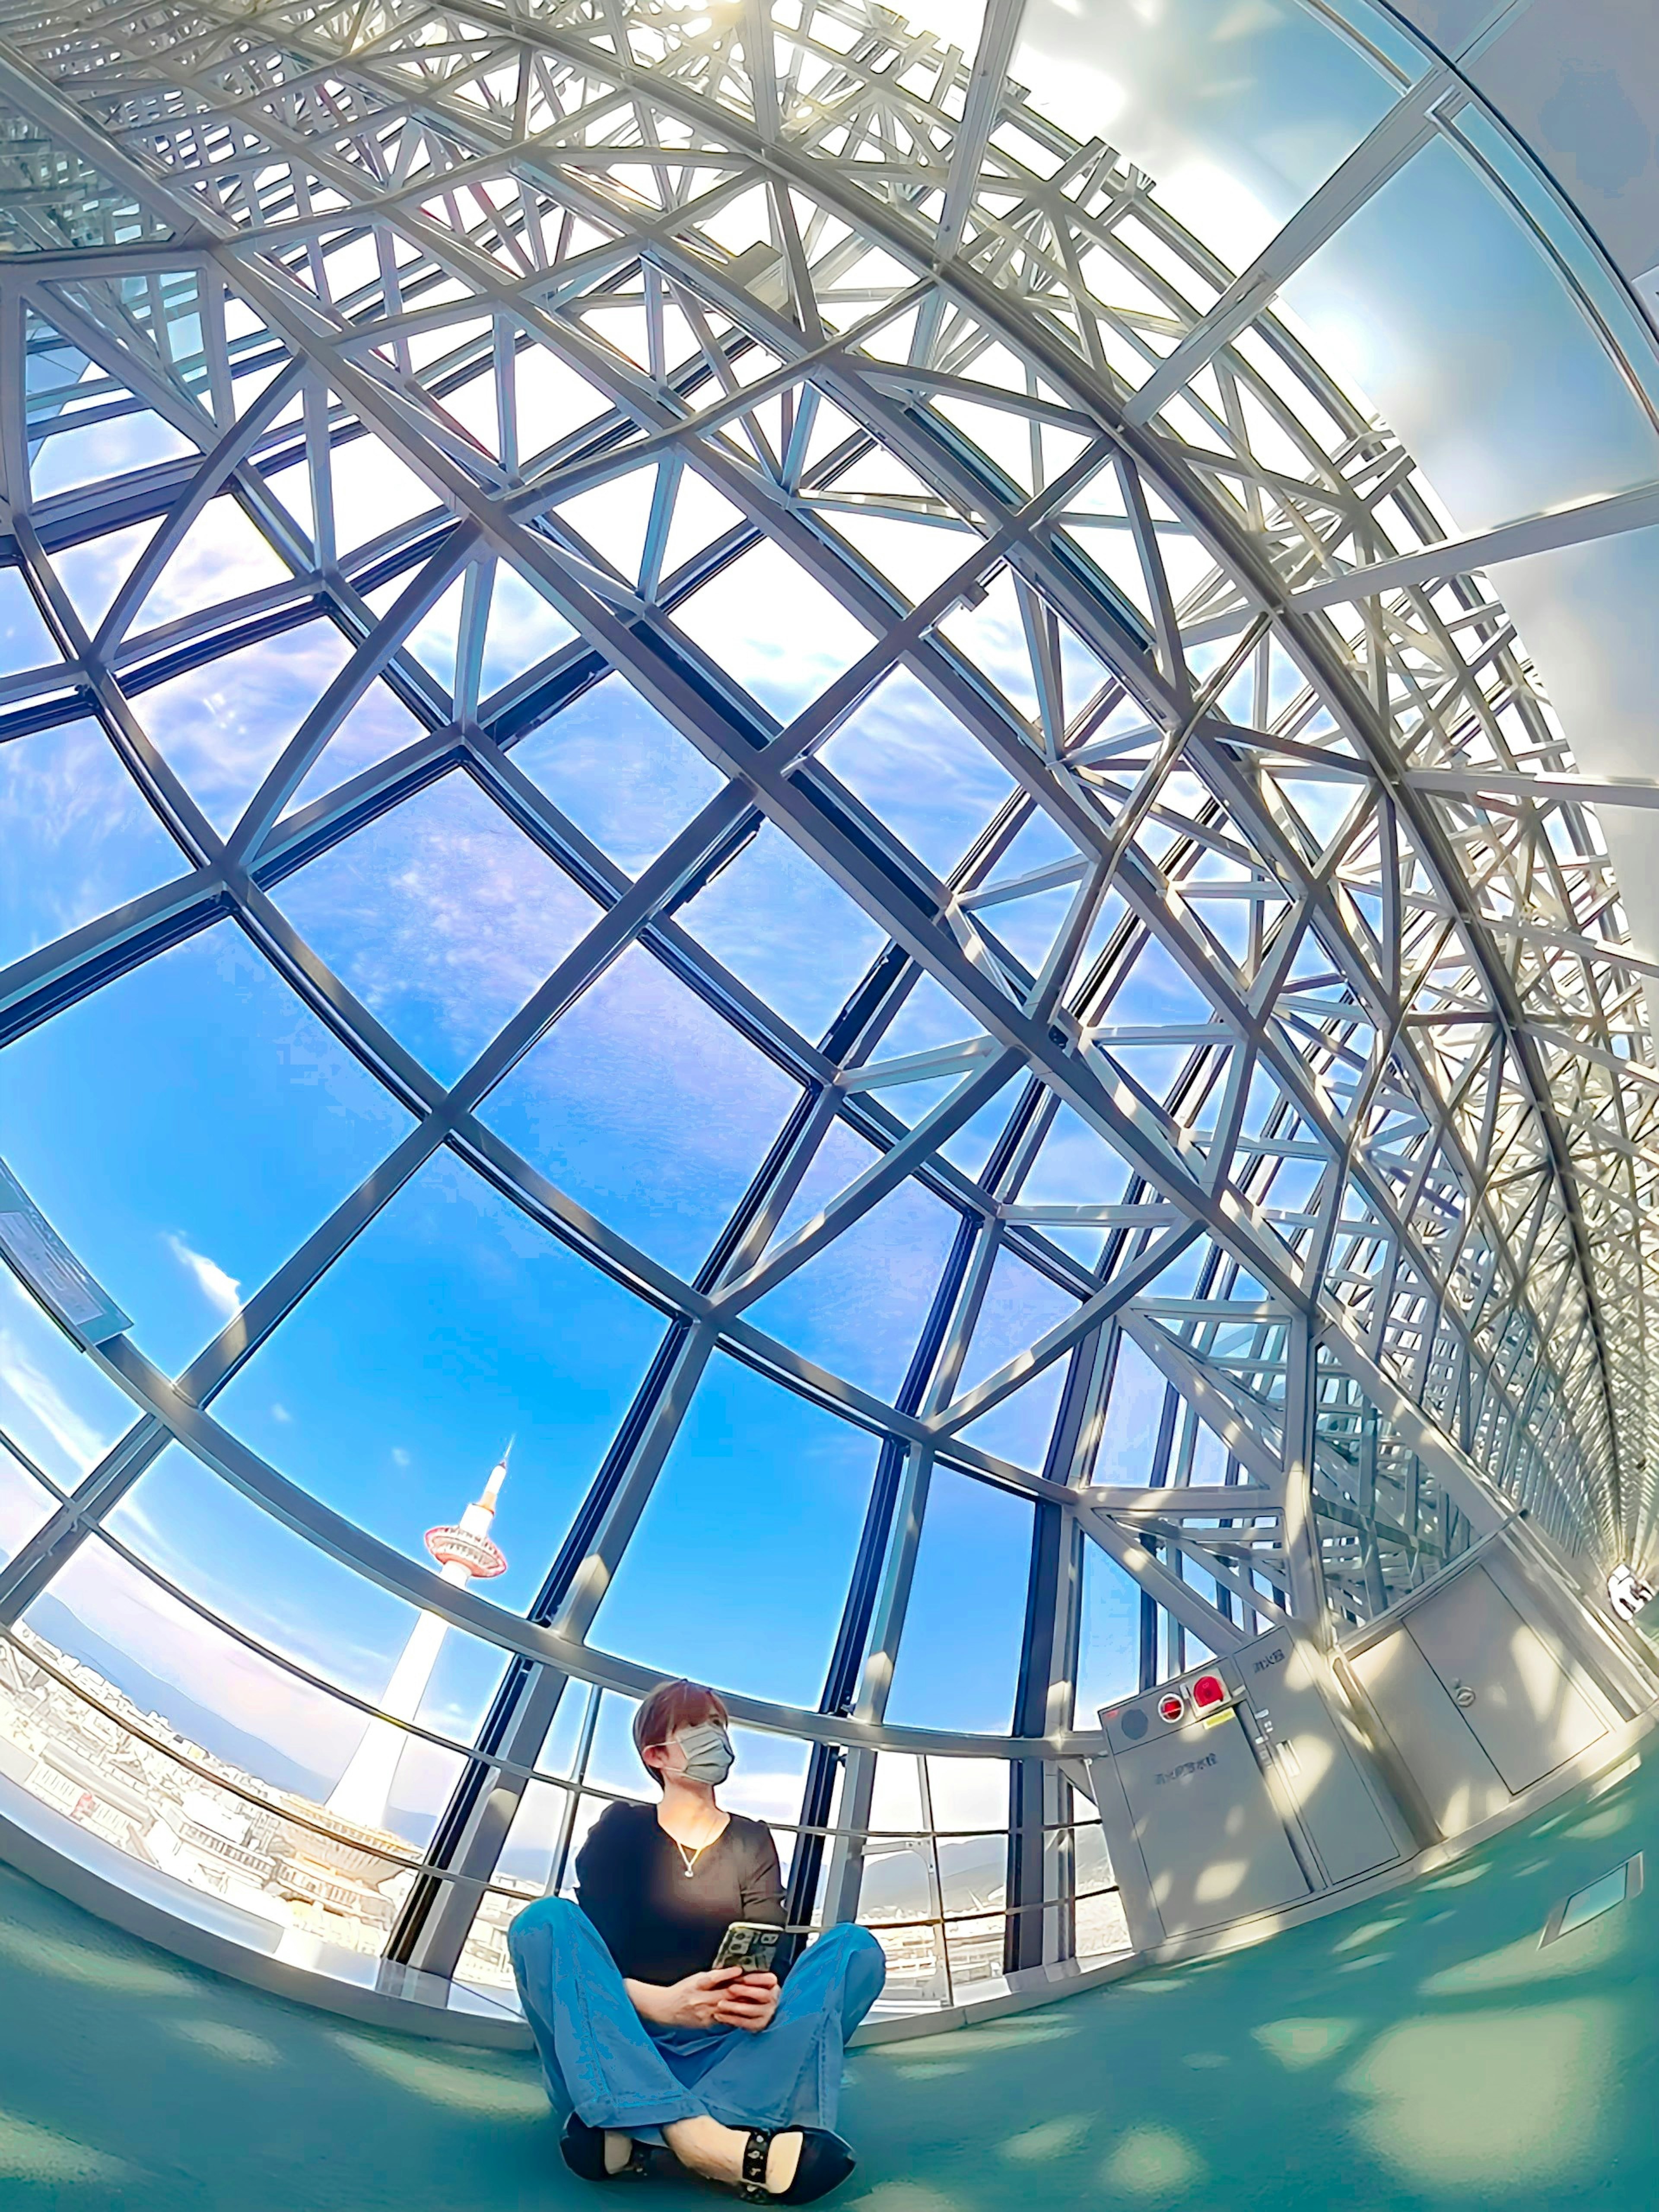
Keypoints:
pixel 454 1321
pixel 190 1124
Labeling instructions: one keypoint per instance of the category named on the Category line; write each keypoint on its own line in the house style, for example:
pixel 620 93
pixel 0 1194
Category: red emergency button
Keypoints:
pixel 1209 1691
pixel 1172 1707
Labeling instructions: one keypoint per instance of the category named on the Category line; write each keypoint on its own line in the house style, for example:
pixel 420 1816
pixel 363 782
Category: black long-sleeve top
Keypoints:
pixel 659 1922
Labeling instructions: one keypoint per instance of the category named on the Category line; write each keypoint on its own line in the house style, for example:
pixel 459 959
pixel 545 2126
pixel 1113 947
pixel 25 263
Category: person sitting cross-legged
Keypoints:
pixel 642 2039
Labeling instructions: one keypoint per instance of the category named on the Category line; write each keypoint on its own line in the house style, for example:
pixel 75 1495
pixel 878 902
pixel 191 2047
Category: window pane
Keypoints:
pixel 972 1565
pixel 25 1505
pixel 182 1196
pixel 913 764
pixel 649 1108
pixel 442 917
pixel 1483 414
pixel 202 1763
pixel 220 726
pixel 619 771
pixel 54 1404
pixel 1108 1649
pixel 78 836
pixel 221 1548
pixel 1239 126
pixel 1020 1306
pixel 858 1307
pixel 775 627
pixel 222 556
pixel 778 923
pixel 25 640
pixel 1133 1414
pixel 739 1572
pixel 451 1325
pixel 215 1699
pixel 378 726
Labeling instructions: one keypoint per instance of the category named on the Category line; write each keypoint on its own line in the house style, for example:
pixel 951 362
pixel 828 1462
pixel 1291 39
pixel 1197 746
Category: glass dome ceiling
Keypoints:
pixel 714 758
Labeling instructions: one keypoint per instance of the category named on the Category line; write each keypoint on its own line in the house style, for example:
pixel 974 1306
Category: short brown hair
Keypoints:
pixel 671 1707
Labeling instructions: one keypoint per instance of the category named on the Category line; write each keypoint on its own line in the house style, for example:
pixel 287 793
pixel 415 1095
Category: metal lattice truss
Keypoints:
pixel 1376 1175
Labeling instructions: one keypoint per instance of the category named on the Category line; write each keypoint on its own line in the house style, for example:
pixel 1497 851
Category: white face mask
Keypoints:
pixel 706 1750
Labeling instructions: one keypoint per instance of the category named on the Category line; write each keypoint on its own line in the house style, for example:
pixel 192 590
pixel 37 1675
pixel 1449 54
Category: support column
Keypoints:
pixel 1303 1567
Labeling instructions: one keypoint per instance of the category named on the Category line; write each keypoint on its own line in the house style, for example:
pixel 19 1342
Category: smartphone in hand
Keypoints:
pixel 751 1944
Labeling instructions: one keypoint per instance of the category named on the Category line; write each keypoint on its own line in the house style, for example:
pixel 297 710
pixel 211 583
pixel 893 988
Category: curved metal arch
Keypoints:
pixel 1495 1325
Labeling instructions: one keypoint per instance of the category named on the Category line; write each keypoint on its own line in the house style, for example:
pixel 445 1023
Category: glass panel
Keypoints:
pixel 777 921
pixel 768 1781
pixel 70 457
pixel 899 1883
pixel 858 1307
pixel 1591 270
pixel 614 1764
pixel 1099 1923
pixel 442 917
pixel 769 625
pixel 973 1872
pixel 972 1565
pixel 452 1324
pixel 95 571
pixel 1485 417
pixel 1109 1644
pixel 1238 126
pixel 214 1702
pixel 530 1854
pixel 1075 1166
pixel 374 492
pixel 378 726
pixel 220 726
pixel 915 766
pixel 619 771
pixel 968 1793
pixel 54 1404
pixel 563 1740
pixel 179 1195
pixel 485 1962
pixel 116 1753
pixel 523 630
pixel 1134 1410
pixel 26 1505
pixel 223 1550
pixel 647 1107
pixel 222 556
pixel 79 839
pixel 757 1510
pixel 1020 1306
pixel 25 640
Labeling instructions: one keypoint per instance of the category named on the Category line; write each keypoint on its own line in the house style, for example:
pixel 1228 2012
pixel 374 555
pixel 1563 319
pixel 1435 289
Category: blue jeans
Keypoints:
pixel 603 2062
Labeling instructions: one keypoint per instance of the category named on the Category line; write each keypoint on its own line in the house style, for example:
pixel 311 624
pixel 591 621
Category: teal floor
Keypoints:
pixel 1421 2051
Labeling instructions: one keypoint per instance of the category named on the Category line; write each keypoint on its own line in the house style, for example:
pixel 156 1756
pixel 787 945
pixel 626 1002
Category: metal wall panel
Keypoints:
pixel 1459 1784
pixel 1337 1810
pixel 1512 1690
pixel 1205 1827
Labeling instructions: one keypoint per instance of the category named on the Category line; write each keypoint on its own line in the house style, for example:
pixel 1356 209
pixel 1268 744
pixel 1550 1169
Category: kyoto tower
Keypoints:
pixel 464 1554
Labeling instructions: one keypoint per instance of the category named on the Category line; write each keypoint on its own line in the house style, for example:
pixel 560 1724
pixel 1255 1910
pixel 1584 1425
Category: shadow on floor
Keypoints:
pixel 1417 2053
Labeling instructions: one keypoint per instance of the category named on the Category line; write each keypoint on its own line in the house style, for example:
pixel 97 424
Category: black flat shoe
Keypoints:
pixel 825 2163
pixel 584 2153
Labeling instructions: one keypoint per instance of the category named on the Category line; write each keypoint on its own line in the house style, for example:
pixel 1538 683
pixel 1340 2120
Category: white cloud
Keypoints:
pixel 399 1457
pixel 39 1398
pixel 280 1413
pixel 222 1292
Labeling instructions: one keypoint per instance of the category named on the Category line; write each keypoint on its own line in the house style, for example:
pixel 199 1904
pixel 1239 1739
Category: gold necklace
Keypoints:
pixel 690 1857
